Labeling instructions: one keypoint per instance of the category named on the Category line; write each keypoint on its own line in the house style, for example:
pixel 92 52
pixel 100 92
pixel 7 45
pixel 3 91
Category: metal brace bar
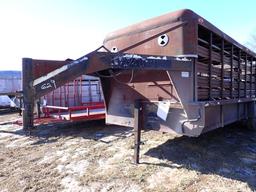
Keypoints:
pixel 245 85
pixel 251 78
pixel 222 68
pixel 232 70
pixel 210 67
pixel 239 68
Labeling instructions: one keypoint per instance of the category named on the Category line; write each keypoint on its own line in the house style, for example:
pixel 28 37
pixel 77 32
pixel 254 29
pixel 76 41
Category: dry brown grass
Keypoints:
pixel 95 157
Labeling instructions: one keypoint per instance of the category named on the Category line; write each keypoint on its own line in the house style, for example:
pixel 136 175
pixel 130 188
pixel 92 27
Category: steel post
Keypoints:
pixel 137 129
pixel 28 94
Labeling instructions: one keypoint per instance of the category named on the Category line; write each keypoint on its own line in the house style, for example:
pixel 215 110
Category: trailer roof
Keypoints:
pixel 185 15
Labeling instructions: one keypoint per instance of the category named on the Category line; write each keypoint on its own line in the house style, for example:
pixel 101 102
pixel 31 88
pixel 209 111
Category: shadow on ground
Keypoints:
pixel 228 152
pixel 95 130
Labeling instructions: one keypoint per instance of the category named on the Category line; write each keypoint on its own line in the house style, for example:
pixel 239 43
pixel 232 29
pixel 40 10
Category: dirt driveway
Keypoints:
pixel 91 156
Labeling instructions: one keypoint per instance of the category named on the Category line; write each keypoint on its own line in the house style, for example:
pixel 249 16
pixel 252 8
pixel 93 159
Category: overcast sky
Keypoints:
pixel 60 29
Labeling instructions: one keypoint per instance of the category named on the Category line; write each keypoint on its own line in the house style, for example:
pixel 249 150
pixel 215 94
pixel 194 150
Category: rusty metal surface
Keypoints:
pixel 222 75
pixel 205 75
pixel 66 73
pixel 42 67
pixel 180 25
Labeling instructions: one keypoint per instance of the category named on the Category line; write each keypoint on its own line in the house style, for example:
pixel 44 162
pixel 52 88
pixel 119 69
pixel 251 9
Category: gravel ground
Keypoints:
pixel 92 156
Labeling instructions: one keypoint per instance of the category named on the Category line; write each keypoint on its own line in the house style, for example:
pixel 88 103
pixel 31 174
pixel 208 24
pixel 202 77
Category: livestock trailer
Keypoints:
pixel 215 85
pixel 178 71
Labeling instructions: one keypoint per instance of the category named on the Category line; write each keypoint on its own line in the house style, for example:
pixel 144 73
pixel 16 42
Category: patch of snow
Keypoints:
pixel 70 184
pixel 77 168
pixel 60 168
pixel 157 58
pixel 159 177
pixel 119 186
pixel 167 175
pixel 19 142
pixel 79 152
pixel 130 56
pixel 48 158
pixel 176 165
pixel 60 152
pixel 109 138
pixel 72 142
pixel 9 135
pixel 74 168
pixel 98 145
pixel 64 158
pixel 4 190
pixel 132 188
pixel 64 155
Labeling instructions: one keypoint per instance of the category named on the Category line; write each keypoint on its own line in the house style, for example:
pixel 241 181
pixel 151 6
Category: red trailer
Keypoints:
pixel 78 99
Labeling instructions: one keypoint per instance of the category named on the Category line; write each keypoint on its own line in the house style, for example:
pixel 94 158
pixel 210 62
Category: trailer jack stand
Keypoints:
pixel 137 130
pixel 28 94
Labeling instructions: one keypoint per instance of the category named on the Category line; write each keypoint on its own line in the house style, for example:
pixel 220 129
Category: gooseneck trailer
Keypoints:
pixel 176 72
